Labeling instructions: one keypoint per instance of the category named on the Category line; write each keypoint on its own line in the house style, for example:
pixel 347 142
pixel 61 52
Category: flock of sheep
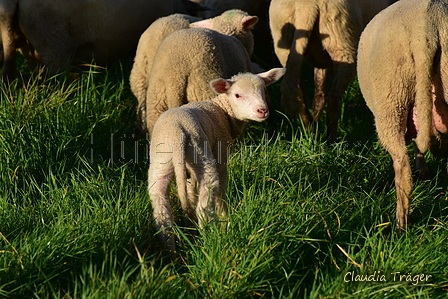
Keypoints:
pixel 197 87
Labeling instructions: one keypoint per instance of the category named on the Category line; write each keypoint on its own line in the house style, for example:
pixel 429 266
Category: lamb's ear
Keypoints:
pixel 272 75
pixel 220 85
pixel 248 22
pixel 207 23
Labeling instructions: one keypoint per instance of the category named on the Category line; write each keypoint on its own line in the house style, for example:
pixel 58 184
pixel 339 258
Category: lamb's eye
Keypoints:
pixel 237 96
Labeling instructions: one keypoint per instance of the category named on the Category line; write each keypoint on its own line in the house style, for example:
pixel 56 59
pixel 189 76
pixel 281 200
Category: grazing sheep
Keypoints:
pixel 194 141
pixel 60 32
pixel 402 67
pixel 326 34
pixel 233 22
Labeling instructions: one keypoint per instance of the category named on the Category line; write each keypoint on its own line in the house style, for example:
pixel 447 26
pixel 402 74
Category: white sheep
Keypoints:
pixel 57 33
pixel 262 35
pixel 402 67
pixel 326 34
pixel 148 44
pixel 193 141
pixel 233 23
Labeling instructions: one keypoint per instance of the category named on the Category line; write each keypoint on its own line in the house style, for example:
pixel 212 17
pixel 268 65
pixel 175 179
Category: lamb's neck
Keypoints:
pixel 236 126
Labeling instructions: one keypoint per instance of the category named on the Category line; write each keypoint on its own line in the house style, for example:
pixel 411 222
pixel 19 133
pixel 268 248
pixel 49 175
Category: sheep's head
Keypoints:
pixel 235 23
pixel 246 93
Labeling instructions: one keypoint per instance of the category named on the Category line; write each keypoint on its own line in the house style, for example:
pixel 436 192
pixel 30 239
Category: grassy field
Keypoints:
pixel 306 219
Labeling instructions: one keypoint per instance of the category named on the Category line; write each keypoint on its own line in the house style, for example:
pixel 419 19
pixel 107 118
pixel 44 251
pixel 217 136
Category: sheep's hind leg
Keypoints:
pixel 403 186
pixel 391 132
pixel 344 73
pixel 420 164
pixel 293 95
pixel 320 82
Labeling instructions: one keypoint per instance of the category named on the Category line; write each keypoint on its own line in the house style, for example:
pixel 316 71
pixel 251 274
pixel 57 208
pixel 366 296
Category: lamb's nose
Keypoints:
pixel 263 112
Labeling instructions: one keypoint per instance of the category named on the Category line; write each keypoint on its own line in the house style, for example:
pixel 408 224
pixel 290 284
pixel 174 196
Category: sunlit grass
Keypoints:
pixel 305 217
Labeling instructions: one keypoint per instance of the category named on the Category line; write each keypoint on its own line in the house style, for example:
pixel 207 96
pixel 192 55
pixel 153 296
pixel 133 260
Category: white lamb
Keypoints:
pixel 234 23
pixel 194 141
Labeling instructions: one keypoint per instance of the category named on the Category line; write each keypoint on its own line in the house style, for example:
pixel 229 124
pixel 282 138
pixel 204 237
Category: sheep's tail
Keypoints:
pixel 424 50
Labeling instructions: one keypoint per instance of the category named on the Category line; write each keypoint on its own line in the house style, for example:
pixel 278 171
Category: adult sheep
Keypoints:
pixel 402 67
pixel 59 32
pixel 326 34
pixel 262 35
pixel 233 22
pixel 253 7
pixel 193 141
pixel 188 59
pixel 147 46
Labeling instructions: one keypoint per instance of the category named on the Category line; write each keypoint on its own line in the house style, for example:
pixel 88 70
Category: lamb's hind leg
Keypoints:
pixel 221 206
pixel 192 199
pixel 159 179
pixel 186 188
pixel 208 189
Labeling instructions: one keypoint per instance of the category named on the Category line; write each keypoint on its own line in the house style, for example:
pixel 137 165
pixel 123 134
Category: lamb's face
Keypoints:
pixel 248 100
pixel 246 93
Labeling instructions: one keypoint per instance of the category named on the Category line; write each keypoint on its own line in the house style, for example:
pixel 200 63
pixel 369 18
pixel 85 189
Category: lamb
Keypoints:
pixel 194 141
pixel 233 22
pixel 402 66
pixel 326 33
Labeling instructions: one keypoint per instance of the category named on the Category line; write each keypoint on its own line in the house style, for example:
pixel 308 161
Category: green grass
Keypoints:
pixel 75 217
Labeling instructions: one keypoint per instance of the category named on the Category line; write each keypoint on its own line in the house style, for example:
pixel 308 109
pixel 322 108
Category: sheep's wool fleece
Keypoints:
pixel 212 121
